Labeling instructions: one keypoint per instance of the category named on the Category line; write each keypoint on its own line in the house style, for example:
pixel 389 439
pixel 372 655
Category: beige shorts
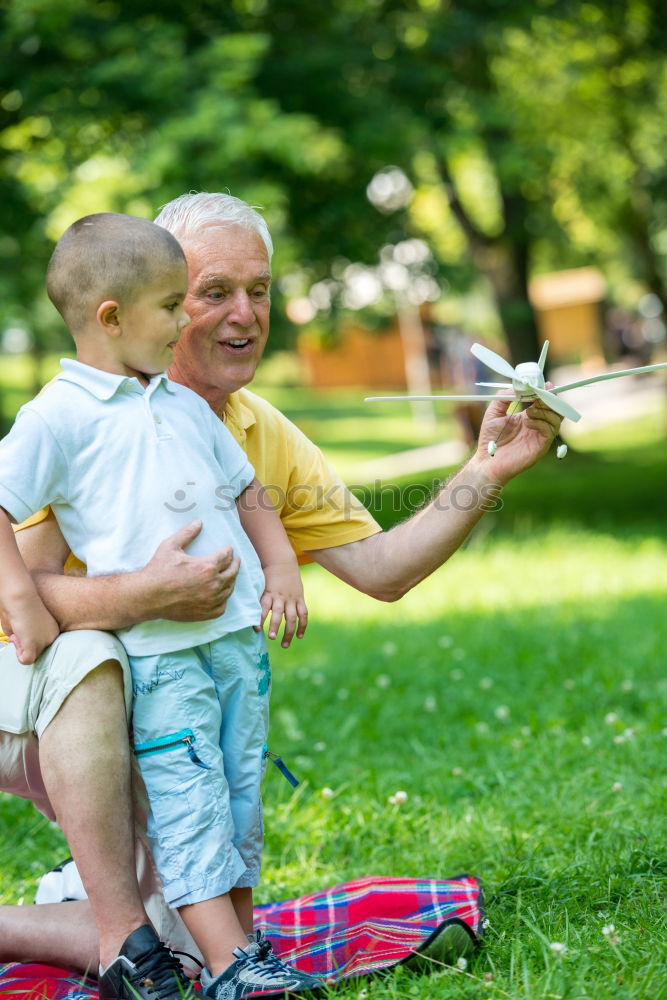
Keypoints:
pixel 31 697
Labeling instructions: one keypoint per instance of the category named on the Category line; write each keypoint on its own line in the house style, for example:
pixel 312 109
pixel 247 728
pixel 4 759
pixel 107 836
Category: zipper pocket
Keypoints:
pixel 163 744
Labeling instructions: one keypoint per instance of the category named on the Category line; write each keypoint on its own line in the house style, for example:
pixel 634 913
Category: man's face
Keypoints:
pixel 228 300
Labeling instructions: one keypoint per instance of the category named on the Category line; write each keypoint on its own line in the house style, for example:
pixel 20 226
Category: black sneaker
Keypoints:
pixel 256 972
pixel 145 970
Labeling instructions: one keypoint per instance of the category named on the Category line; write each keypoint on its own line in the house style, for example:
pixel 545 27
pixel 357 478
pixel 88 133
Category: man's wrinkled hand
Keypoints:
pixel 521 438
pixel 186 588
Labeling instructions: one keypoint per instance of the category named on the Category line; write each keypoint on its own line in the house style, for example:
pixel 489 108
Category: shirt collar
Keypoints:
pixel 237 416
pixel 103 385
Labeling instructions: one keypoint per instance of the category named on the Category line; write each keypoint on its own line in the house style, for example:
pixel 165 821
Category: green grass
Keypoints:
pixel 519 697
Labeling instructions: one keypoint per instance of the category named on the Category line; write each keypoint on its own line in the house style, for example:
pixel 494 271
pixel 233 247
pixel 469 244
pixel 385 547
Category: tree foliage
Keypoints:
pixel 531 133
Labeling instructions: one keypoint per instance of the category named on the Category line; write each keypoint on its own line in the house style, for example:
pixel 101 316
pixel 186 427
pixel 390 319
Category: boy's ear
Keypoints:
pixel 108 317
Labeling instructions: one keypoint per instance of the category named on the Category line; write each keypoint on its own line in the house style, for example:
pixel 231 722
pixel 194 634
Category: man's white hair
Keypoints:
pixel 185 217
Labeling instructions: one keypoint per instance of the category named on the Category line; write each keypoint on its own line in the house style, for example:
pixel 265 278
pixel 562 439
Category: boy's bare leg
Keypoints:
pixel 243 904
pixel 215 927
pixel 85 764
pixel 61 934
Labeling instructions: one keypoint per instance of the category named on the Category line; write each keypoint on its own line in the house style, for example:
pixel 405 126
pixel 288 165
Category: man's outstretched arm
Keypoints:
pixel 389 564
pixel 172 585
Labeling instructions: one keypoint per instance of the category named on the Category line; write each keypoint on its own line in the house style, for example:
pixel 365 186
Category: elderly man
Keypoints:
pixel 64 745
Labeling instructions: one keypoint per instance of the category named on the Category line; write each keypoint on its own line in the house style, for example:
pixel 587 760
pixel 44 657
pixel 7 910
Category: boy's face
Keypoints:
pixel 152 322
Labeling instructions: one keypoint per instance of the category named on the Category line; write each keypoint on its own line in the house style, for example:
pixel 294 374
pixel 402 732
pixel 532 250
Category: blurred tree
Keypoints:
pixel 528 134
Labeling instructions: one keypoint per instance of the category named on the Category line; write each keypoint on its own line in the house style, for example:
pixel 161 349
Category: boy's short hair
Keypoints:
pixel 106 256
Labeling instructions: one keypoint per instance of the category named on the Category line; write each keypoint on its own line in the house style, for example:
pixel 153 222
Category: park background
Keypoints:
pixel 419 162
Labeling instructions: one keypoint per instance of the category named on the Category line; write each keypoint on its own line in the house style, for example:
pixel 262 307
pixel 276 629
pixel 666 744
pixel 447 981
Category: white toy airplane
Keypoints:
pixel 527 384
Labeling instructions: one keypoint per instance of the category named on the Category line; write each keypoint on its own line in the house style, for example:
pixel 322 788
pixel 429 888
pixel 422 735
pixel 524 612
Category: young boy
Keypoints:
pixel 125 457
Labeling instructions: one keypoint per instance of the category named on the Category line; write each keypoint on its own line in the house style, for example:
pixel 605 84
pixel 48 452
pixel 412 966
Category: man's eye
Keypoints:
pixel 215 294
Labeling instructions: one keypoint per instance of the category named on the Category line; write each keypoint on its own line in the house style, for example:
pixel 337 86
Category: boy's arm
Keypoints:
pixel 24 618
pixel 283 590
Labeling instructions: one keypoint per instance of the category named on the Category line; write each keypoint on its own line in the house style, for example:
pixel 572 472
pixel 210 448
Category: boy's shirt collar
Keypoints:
pixel 103 385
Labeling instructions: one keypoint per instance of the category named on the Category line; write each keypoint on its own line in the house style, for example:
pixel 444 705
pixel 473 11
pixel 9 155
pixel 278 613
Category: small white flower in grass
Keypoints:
pixel 558 948
pixel 327 793
pixel 608 930
pixel 501 712
pixel 486 683
pixel 611 718
pixel 481 727
pixel 620 738
pixel 319 746
pixel 486 923
pixel 629 733
pixel 586 741
pixel 430 704
pixel 627 686
pixel 383 680
pixel 362 994
pixel 457 772
pixel 525 731
pixel 398 798
pixel 664 731
pixel 517 744
pixel 617 787
pixel 462 963
pixel 389 648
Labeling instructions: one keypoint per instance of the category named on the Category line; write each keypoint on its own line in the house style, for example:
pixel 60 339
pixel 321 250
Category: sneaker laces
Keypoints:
pixel 266 964
pixel 162 970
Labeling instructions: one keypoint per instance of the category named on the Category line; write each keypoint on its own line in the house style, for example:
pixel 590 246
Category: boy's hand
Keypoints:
pixel 31 629
pixel 283 597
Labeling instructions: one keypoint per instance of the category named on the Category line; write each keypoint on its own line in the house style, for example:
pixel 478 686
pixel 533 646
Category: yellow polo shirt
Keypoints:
pixel 315 506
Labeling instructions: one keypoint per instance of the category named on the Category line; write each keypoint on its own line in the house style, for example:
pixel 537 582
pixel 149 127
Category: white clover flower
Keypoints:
pixel 389 648
pixel 457 772
pixel 383 680
pixel 558 948
pixel 608 930
pixel 430 704
pixel 501 712
pixel 327 793
pixel 486 923
pixel 629 733
pixel 362 994
pixel 620 738
pixel 398 798
pixel 611 718
pixel 320 746
pixel 664 731
pixel 462 963
pixel 486 683
pixel 617 787
pixel 586 741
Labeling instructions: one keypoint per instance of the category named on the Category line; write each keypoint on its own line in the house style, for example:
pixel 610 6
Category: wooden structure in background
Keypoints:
pixel 568 309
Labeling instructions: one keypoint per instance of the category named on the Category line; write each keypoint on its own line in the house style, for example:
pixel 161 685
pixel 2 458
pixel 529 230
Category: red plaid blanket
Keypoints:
pixel 352 929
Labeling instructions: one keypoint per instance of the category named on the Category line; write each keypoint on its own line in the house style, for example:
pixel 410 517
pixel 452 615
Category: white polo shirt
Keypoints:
pixel 123 467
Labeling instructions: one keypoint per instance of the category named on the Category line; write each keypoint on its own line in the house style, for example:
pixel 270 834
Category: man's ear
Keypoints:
pixel 108 317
